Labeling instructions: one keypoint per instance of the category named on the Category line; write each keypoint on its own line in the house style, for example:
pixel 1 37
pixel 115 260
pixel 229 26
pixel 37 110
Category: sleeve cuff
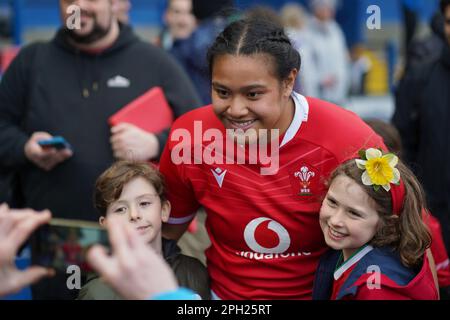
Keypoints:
pixel 19 154
pixel 178 294
pixel 182 220
pixel 162 139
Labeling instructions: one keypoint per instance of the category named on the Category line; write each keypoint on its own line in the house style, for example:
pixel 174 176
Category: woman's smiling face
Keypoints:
pixel 246 94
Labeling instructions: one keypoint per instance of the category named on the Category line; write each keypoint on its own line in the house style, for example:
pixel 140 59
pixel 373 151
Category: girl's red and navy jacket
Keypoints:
pixel 439 252
pixel 372 274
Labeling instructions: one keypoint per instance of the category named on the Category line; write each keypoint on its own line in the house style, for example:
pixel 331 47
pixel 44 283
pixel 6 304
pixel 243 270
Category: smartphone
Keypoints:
pixel 62 244
pixel 56 142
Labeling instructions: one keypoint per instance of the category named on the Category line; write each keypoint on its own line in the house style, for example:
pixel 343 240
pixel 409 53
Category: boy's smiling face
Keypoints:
pixel 140 206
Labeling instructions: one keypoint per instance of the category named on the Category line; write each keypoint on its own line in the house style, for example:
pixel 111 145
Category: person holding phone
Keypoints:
pixel 69 87
pixel 147 276
pixel 15 227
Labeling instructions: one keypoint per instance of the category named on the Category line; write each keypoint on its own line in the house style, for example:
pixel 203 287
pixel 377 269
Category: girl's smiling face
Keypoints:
pixel 348 216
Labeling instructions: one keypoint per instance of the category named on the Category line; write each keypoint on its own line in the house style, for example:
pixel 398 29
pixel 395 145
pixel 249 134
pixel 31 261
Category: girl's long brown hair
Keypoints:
pixel 406 233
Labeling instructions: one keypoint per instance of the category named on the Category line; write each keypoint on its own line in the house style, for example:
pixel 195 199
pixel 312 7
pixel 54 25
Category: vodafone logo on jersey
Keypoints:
pixel 255 236
pixel 282 233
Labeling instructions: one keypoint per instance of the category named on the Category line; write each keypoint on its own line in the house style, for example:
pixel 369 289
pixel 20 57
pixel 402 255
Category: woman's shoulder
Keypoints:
pixel 327 110
pixel 339 130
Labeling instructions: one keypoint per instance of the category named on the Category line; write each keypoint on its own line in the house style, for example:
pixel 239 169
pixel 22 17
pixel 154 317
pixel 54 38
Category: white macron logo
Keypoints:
pixel 219 175
pixel 118 82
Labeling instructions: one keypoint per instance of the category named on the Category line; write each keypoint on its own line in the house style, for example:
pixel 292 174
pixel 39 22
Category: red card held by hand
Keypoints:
pixel 150 112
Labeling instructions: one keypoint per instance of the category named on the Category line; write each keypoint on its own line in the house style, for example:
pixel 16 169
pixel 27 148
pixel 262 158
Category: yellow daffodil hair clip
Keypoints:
pixel 379 169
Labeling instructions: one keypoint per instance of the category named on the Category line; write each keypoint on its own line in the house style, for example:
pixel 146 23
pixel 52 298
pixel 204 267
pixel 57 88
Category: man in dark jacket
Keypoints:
pixel 430 48
pixel 422 116
pixel 70 86
pixel 212 17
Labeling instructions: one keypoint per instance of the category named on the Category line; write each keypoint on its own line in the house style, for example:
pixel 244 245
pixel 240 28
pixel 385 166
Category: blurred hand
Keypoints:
pixel 15 227
pixel 132 143
pixel 134 269
pixel 44 158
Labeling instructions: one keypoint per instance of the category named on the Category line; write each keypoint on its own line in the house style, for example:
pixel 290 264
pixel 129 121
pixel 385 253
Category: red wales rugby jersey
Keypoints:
pixel 264 229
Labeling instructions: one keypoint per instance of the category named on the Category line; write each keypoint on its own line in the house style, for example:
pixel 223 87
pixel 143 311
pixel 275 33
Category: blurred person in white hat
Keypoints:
pixel 330 52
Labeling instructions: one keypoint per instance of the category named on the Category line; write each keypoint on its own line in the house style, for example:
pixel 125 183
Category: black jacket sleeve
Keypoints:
pixel 14 88
pixel 192 274
pixel 179 91
pixel 162 139
pixel 407 113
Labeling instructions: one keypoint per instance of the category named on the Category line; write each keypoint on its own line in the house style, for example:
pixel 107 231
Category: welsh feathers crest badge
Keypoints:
pixel 305 181
pixel 304 175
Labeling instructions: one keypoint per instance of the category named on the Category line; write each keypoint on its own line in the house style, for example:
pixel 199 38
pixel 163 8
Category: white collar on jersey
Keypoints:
pixel 300 115
pixel 352 261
